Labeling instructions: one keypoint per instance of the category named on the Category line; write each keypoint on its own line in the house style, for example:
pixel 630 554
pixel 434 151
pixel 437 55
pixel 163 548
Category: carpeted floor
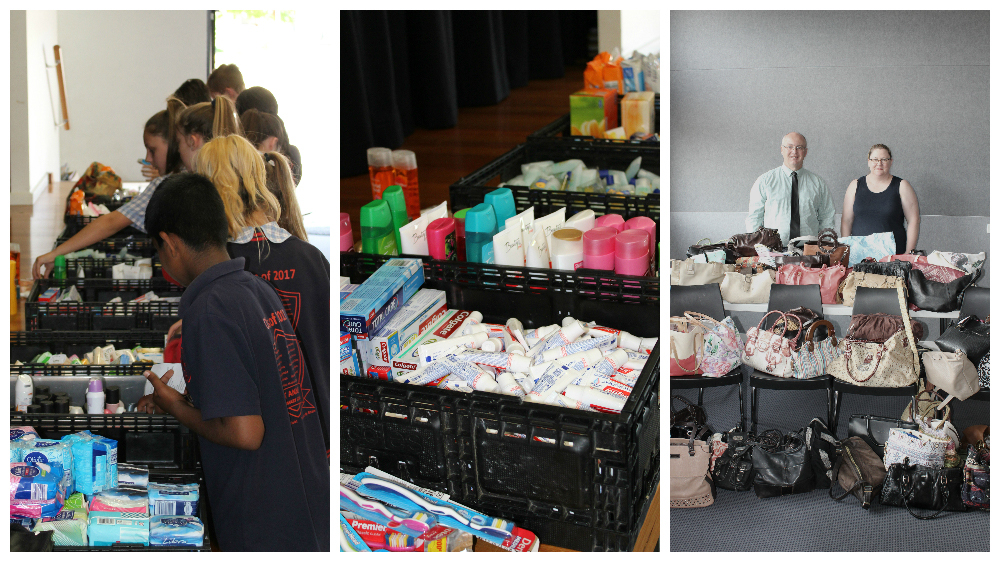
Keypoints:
pixel 739 521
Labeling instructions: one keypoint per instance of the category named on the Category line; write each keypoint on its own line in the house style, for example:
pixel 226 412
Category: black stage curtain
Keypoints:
pixel 406 69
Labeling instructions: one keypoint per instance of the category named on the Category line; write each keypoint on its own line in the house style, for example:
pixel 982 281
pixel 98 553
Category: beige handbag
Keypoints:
pixel 687 272
pixel 690 480
pixel 854 280
pixel 739 288
pixel 687 346
pixel 889 365
pixel 952 372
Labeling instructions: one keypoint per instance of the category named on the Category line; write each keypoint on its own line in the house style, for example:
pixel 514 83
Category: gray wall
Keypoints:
pixel 915 81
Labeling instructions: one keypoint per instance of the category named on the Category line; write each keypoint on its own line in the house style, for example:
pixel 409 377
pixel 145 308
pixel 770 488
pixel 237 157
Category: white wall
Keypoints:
pixel 120 67
pixel 629 30
pixel 34 94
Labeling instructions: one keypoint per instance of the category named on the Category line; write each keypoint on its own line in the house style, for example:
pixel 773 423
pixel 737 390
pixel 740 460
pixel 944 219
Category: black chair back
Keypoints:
pixel 976 301
pixel 869 300
pixel 706 299
pixel 787 297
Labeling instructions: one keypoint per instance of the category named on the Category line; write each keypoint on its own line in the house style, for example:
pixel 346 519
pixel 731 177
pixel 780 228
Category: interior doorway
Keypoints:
pixel 282 50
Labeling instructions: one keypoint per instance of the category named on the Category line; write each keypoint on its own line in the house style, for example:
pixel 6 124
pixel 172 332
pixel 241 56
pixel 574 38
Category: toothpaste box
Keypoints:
pixel 381 295
pixel 420 313
pixel 49 295
pixel 346 290
pixel 345 345
pixel 409 359
pixel 351 366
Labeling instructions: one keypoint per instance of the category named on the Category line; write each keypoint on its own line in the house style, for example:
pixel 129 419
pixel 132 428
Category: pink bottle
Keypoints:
pixel 632 252
pixel 599 248
pixel 613 220
pixel 646 224
pixel 346 234
pixel 441 242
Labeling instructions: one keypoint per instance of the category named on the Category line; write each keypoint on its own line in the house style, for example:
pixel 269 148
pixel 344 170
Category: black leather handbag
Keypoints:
pixel 733 470
pixel 858 471
pixel 970 334
pixel 935 296
pixel 725 245
pixel 896 268
pixel 783 466
pixel 823 451
pixel 920 487
pixel 689 419
pixel 875 430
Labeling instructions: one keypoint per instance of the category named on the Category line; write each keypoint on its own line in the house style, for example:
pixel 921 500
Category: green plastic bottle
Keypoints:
pixel 59 268
pixel 376 229
pixel 394 196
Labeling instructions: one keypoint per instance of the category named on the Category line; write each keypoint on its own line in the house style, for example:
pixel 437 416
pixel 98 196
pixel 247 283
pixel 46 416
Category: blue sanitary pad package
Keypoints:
pixel 34 481
pixel 173 499
pixel 107 528
pixel 176 530
pixel 45 451
pixel 23 432
pixel 132 476
pixel 95 461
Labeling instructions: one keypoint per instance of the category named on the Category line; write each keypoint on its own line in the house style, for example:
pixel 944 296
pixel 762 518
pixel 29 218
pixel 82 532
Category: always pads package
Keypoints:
pixel 173 499
pixel 46 451
pixel 176 530
pixel 107 528
pixel 95 461
pixel 119 500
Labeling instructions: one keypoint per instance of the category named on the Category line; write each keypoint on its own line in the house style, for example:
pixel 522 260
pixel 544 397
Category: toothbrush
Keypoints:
pixel 477 522
pixel 417 522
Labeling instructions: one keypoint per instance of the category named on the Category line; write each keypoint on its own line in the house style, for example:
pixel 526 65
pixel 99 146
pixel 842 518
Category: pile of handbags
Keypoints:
pixel 746 265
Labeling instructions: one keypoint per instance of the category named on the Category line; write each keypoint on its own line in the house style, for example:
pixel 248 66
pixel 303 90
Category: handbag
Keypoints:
pixel 688 272
pixel 753 264
pixel 691 483
pixel 879 326
pixel 800 318
pixel 849 287
pixel 770 352
pixel 858 471
pixel 968 263
pixel 935 296
pixel 874 430
pixel 687 342
pixel 918 447
pixel 744 243
pixel 828 278
pixel 828 245
pixel 976 474
pixel 877 245
pixel 913 257
pixel 891 364
pixel 942 429
pixel 733 469
pixel 915 486
pixel 970 334
pixel 816 260
pixel 782 468
pixel 738 288
pixel 713 256
pixel 952 372
pixel 939 273
pixel 724 246
pixel 822 446
pixel 814 357
pixel 723 347
pixel 896 268
pixel 984 371
pixel 926 405
pixel 689 420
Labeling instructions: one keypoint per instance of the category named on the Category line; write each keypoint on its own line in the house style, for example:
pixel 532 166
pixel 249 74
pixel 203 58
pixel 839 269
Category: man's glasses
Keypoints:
pixel 791 148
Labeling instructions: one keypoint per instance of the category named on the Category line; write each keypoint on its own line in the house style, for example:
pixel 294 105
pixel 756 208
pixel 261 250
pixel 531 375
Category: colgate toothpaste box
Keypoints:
pixel 409 359
pixel 420 314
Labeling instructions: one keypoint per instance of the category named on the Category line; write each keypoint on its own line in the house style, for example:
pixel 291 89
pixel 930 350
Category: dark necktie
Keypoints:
pixel 793 224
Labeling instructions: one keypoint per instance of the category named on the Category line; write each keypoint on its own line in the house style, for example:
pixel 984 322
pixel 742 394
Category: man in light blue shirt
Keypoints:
pixel 771 196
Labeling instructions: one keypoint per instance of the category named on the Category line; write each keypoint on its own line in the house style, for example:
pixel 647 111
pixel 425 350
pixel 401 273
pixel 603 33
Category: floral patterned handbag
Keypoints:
pixel 814 357
pixel 722 348
pixel 919 447
pixel 770 352
pixel 876 246
pixel 976 487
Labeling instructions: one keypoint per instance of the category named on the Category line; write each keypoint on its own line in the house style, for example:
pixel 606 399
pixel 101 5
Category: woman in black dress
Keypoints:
pixel 880 201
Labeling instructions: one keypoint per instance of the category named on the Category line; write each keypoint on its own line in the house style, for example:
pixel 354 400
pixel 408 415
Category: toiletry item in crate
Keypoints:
pixel 524 223
pixel 582 221
pixel 386 290
pixel 480 227
pixel 408 360
pixel 35 481
pixel 459 216
pixel 441 239
pixel 433 351
pixel 346 234
pixel 46 451
pixel 350 540
pixel 612 220
pixel 404 163
pixel 639 113
pixel 120 501
pixel 502 201
pixel 176 530
pixel 595 399
pixel 647 225
pixel 23 394
pixel 409 523
pixel 508 248
pixel 36 509
pixel 49 295
pixel 566 249
pixel 95 461
pixel 393 195
pixel 421 312
pixel 377 233
pixel 133 476
pixel 633 80
pixel 632 253
pixel 65 532
pixel 106 528
pixel 439 211
pixel 173 499
pixel 380 171
pixel 593 111
pixel 24 432
pixel 599 248
pixel 112 401
pixel 413 238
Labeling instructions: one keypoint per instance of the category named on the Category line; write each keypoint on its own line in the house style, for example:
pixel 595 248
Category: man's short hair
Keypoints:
pixel 189 206
pixel 257 98
pixel 226 76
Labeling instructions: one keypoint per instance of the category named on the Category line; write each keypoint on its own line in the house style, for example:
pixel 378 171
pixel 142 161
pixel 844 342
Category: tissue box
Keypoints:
pixel 638 113
pixel 593 111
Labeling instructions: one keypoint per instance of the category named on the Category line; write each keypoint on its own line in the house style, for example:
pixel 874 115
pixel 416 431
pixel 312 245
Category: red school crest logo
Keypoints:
pixel 291 367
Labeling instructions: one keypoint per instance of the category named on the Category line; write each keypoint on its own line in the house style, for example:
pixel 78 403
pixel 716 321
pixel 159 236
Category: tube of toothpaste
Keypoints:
pixel 627 376
pixel 433 351
pixel 494 345
pixel 509 385
pixel 492 330
pixel 472 373
pixel 606 341
pixel 454 382
pixel 554 381
pixel 606 368
pixel 636 360
pixel 516 363
pixel 566 402
pixel 563 336
pixel 531 337
pixel 580 361
pixel 611 388
pixel 475 318
pixel 513 337
pixel 427 374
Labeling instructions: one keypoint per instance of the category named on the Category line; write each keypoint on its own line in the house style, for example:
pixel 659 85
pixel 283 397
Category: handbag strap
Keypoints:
pixel 677 360
pixel 698 243
pixel 831 330
pixel 906 324
pixel 696 318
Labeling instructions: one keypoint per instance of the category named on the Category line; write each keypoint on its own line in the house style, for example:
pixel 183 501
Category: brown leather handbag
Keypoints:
pixel 829 246
pixel 817 260
pixel 880 326
pixel 744 243
pixel 859 471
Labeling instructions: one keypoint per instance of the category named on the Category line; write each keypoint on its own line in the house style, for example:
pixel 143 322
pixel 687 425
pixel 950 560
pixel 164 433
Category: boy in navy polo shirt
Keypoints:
pixel 262 448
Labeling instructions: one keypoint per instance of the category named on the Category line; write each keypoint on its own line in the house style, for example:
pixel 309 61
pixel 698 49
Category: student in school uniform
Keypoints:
pixel 267 132
pixel 264 101
pixel 251 404
pixel 226 80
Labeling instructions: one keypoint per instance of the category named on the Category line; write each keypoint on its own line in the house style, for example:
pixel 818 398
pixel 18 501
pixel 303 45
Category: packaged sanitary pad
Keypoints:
pixel 23 432
pixel 46 451
pixel 173 499
pixel 66 532
pixel 36 509
pixel 31 481
pixel 119 501
pixel 95 461
pixel 106 528
pixel 176 530
pixel 75 507
pixel 132 476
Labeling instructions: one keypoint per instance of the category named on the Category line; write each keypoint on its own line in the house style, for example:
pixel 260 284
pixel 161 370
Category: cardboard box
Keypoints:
pixel 593 111
pixel 422 312
pixel 409 359
pixel 351 366
pixel 381 295
pixel 638 113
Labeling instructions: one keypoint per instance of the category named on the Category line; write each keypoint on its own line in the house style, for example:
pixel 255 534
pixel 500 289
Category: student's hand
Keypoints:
pixel 149 171
pixel 164 397
pixel 44 260
pixel 146 405
pixel 174 331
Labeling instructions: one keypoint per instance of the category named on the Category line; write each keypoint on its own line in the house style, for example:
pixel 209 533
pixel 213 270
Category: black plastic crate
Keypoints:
pixel 76 223
pixel 24 346
pixel 150 440
pixel 579 480
pixel 137 244
pixel 472 189
pixel 41 370
pixel 100 268
pixel 91 315
pixel 560 128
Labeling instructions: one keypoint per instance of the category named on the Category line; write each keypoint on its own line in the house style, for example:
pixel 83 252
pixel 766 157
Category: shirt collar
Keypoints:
pixel 271 230
pixel 788 171
pixel 207 277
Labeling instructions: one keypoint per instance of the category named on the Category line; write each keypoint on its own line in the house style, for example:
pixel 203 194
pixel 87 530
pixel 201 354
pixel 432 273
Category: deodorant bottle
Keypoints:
pixel 24 391
pixel 95 397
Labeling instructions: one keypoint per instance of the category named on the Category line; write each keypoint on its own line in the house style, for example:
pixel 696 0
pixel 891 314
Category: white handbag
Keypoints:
pixel 740 288
pixel 688 272
pixel 968 263
pixel 769 352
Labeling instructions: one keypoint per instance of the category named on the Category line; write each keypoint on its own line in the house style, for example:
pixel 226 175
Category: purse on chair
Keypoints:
pixel 854 280
pixel 770 352
pixel 874 430
pixel 829 246
pixel 858 471
pixel 915 486
pixel 723 347
pixel 815 356
pixel 687 343
pixel 738 288
pixel 879 326
pixel 970 335
pixel 724 246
